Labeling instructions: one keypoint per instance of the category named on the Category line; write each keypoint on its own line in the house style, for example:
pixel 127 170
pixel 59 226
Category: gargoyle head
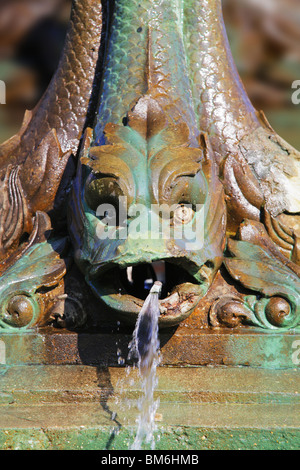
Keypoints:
pixel 148 206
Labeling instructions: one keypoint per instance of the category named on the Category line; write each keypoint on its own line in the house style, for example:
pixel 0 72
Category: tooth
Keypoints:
pixel 160 270
pixel 129 274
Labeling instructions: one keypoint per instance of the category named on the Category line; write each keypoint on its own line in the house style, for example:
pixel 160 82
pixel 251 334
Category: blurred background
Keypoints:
pixel 264 36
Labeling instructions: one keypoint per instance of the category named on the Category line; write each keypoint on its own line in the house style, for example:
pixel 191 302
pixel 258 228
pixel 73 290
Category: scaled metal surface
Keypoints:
pixel 173 126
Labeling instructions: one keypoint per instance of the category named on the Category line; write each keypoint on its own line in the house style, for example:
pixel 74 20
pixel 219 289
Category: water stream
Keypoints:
pixel 145 348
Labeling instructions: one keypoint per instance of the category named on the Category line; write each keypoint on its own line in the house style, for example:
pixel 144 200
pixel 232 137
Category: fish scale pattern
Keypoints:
pixel 146 54
pixel 223 108
pixel 226 113
pixel 65 103
pixel 172 86
pixel 124 79
pixel 178 49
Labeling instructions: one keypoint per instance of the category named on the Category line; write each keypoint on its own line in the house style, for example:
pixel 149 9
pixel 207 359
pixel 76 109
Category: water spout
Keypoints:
pixel 145 346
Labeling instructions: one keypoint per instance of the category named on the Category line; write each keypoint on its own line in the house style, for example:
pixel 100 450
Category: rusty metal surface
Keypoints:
pixel 183 347
pixel 75 407
pixel 49 384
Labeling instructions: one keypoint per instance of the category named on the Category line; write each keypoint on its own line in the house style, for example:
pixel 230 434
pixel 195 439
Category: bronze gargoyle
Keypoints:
pixel 146 129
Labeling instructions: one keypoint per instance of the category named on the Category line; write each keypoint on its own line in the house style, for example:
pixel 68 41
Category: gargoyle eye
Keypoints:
pixel 101 191
pixel 183 214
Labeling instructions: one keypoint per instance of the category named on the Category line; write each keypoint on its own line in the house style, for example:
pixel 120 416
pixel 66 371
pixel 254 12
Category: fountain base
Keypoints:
pixel 82 407
pixel 185 346
pixel 218 389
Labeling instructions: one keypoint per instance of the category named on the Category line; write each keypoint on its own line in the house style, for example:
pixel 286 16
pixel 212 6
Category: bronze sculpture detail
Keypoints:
pixel 173 127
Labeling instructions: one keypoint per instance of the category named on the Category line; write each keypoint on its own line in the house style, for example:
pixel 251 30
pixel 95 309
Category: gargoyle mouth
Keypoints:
pixel 125 289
